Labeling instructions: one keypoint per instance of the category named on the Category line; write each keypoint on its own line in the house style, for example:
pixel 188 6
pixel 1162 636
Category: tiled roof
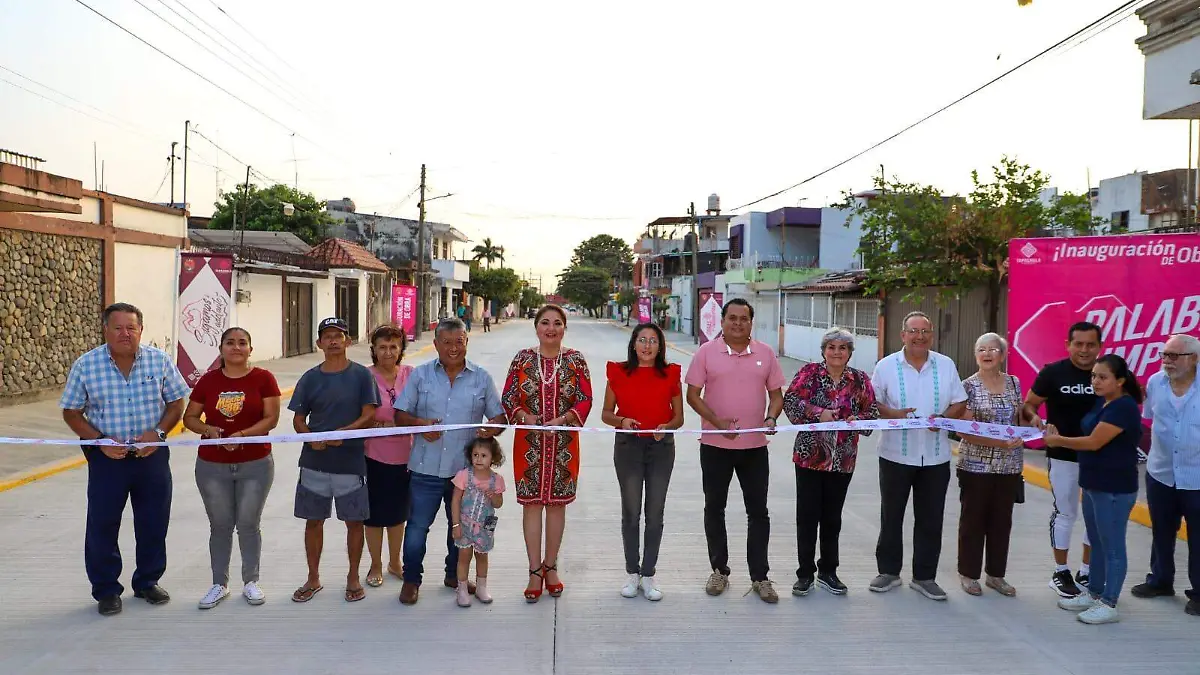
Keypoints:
pixel 342 253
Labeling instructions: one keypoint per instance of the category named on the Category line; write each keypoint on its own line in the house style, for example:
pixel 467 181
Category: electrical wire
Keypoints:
pixel 116 121
pixel 946 107
pixel 232 156
pixel 163 181
pixel 252 36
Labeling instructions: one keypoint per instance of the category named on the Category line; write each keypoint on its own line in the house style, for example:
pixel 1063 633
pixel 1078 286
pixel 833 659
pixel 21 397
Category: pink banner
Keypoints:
pixel 205 289
pixel 1139 289
pixel 645 310
pixel 710 315
pixel 404 308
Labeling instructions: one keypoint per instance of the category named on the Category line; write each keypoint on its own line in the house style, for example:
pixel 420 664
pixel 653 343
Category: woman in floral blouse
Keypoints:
pixel 989 471
pixel 826 392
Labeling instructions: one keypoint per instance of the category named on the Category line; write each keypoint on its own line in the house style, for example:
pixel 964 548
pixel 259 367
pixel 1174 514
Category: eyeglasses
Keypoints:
pixel 1171 356
pixel 647 341
pixel 919 331
pixel 988 350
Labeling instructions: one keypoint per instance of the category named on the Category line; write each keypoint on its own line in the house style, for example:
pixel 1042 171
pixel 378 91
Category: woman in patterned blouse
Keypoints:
pixel 549 386
pixel 826 392
pixel 989 471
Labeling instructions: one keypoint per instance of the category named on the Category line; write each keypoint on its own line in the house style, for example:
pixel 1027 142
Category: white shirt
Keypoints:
pixel 1174 458
pixel 932 391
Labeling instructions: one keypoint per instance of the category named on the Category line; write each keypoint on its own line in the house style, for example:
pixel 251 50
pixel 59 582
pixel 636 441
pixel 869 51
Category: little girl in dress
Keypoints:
pixel 478 492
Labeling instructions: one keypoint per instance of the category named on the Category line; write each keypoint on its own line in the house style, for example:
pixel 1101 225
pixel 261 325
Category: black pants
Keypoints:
pixel 644 467
pixel 928 485
pixel 1167 506
pixel 820 496
pixel 985 521
pixel 144 481
pixel 717 467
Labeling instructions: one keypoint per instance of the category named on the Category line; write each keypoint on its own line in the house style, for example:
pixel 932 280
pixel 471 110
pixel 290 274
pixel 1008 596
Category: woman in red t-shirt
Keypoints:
pixel 237 400
pixel 644 392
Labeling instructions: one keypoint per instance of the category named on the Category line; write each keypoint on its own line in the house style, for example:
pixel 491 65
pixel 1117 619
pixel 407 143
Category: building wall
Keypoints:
pixel 146 220
pixel 1168 94
pixel 148 279
pixel 839 243
pixel 1123 193
pixel 262 317
pixel 324 301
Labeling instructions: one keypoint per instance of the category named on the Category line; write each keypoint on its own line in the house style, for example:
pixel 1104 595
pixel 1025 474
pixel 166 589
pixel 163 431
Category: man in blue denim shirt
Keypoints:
pixel 448 390
pixel 1173 467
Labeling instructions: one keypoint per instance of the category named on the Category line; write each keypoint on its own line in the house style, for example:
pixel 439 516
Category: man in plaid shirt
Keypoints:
pixel 129 393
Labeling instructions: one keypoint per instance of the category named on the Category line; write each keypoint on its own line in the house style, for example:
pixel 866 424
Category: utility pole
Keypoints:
pixel 421 259
pixel 245 209
pixel 187 131
pixel 695 220
pixel 172 159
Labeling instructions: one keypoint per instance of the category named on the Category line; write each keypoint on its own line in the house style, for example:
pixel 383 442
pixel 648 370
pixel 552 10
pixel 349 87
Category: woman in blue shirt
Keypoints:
pixel 1108 474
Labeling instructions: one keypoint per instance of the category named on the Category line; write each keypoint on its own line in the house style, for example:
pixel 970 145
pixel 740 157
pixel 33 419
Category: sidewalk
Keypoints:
pixel 21 464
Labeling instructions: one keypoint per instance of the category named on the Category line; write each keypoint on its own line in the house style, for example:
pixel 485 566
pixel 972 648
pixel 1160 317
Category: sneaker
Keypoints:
pixel 717 583
pixel 802 586
pixel 1063 585
pixel 831 583
pixel 1081 580
pixel 1077 603
pixel 928 588
pixel 1148 590
pixel 254 594
pixel 630 589
pixel 214 596
pixel 650 589
pixel 765 590
pixel 1099 613
pixel 884 583
pixel 1192 607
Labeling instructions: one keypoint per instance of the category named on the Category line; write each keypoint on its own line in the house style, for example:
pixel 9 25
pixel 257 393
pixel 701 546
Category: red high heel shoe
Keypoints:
pixel 554 590
pixel 532 595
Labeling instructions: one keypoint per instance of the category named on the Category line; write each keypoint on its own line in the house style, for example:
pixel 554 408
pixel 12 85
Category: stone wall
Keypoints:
pixel 51 290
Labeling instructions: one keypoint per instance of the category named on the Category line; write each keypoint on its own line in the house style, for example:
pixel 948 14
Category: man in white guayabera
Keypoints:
pixel 1066 388
pixel 914 382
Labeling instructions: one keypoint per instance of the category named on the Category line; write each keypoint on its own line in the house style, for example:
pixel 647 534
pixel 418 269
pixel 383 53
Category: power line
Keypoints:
pixel 252 36
pixel 184 66
pixel 163 181
pixel 946 107
pixel 213 143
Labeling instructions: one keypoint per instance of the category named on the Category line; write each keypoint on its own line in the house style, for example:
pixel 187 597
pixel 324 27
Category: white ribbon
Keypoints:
pixel 994 431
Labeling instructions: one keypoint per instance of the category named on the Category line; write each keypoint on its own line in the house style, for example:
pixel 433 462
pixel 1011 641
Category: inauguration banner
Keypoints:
pixel 404 308
pixel 205 300
pixel 1140 289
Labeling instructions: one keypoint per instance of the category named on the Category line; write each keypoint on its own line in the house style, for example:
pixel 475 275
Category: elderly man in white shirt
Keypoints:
pixel 914 382
pixel 1173 467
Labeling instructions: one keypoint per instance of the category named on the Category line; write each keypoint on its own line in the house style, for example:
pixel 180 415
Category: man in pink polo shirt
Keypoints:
pixel 737 376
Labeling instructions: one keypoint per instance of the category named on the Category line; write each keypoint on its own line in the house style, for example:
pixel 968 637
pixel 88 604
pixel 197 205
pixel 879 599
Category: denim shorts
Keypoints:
pixel 317 492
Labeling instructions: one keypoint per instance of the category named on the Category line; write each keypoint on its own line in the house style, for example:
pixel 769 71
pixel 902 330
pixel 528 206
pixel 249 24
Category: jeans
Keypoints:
pixel 643 463
pixel 753 469
pixel 1106 516
pixel 985 522
pixel 144 481
pixel 234 496
pixel 820 496
pixel 928 485
pixel 427 493
pixel 1167 506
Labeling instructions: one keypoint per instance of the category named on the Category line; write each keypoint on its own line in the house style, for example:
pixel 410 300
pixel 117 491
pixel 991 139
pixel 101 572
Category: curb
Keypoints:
pixel 53 468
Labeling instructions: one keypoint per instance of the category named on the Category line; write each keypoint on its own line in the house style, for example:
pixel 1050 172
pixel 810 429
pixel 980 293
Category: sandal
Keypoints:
pixel 971 586
pixel 305 593
pixel 1001 586
pixel 398 573
pixel 533 594
pixel 355 594
pixel 374 580
pixel 554 590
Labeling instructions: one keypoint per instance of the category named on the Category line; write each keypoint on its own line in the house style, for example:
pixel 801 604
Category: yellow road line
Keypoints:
pixel 47 470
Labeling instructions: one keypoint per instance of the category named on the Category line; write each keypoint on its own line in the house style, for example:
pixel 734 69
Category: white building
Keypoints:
pixel 1171 46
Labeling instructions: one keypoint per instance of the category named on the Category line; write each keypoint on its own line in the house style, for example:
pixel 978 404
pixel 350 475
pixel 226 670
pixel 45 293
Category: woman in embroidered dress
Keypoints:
pixel 546 386
pixel 830 391
pixel 989 471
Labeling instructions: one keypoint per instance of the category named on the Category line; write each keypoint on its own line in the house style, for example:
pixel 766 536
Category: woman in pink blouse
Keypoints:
pixel 826 392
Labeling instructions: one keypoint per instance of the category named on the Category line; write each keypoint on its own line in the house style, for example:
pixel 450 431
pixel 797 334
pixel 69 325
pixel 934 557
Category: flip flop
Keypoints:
pixel 304 593
pixel 375 582
pixel 355 594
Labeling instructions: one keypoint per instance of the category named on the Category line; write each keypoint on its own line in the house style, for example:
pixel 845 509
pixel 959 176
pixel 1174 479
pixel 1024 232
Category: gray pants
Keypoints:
pixel 234 495
pixel 643 463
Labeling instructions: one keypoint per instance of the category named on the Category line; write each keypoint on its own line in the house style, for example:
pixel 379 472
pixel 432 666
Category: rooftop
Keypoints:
pixel 283 242
pixel 341 253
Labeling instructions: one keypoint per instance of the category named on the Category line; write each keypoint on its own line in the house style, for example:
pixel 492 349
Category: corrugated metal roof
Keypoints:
pixel 284 242
pixel 834 282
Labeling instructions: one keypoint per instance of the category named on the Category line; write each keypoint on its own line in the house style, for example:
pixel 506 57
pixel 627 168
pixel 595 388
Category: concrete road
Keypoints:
pixel 49 624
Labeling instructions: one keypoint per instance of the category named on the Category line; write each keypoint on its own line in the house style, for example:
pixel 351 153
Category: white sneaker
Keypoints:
pixel 213 597
pixel 1100 613
pixel 1079 603
pixel 650 589
pixel 630 589
pixel 254 594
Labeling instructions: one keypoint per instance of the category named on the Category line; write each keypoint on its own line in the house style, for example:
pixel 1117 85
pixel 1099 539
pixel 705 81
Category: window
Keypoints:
pixel 859 316
pixel 1120 221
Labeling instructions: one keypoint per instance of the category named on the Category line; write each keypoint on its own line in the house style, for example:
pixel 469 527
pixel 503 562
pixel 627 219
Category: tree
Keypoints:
pixel 914 236
pixel 604 252
pixel 1072 213
pixel 262 210
pixel 530 298
pixel 627 298
pixel 499 285
pixel 585 286
pixel 487 252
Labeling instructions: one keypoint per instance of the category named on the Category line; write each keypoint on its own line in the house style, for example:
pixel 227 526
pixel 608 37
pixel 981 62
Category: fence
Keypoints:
pixel 958 321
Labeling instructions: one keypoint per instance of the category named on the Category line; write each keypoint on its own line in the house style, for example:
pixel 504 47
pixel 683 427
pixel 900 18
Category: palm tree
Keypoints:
pixel 501 256
pixel 486 252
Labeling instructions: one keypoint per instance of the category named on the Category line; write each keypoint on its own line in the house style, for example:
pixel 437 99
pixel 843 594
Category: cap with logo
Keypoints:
pixel 333 322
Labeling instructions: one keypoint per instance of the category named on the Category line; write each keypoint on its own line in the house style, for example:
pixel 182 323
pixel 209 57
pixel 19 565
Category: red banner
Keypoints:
pixel 205 290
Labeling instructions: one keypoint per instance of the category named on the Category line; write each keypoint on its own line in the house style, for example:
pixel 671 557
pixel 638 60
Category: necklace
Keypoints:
pixel 553 372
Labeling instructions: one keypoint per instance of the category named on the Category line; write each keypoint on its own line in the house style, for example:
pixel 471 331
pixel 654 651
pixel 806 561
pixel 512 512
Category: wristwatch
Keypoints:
pixel 162 435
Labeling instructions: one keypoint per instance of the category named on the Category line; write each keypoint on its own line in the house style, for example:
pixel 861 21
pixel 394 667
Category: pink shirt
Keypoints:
pixel 735 387
pixel 460 480
pixel 390 449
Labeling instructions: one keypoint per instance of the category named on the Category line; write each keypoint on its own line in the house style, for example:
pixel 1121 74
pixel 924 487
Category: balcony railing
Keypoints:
pixel 768 262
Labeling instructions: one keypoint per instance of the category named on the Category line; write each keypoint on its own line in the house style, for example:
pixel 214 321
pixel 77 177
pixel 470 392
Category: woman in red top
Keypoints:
pixel 644 392
pixel 236 400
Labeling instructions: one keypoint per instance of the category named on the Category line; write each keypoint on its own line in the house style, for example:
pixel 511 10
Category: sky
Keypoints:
pixel 551 122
